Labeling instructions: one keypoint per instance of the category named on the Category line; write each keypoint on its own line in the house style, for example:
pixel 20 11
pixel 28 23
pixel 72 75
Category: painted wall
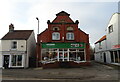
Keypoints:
pixel 6 45
pixel 112 38
pixel 119 28
pixel 31 47
pixel 0 55
pixel 103 46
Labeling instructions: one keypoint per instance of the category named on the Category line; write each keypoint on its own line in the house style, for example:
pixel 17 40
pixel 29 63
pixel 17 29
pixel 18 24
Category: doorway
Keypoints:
pixel 6 61
pixel 104 57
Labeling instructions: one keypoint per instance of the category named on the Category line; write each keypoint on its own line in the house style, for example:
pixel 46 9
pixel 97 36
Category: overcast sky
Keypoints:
pixel 93 16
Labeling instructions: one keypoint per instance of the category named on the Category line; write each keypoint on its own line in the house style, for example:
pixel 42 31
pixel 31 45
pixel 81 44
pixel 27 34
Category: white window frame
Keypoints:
pixel 12 44
pixel 110 28
pixel 17 61
pixel 55 36
pixel 71 35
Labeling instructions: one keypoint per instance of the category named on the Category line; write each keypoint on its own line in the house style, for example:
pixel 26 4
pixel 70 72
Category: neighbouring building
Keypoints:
pixel 18 48
pixel 107 49
pixel 63 44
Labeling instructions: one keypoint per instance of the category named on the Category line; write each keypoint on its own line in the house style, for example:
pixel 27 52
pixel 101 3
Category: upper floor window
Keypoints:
pixel 70 36
pixel 14 45
pixel 69 28
pixel 110 28
pixel 56 28
pixel 55 36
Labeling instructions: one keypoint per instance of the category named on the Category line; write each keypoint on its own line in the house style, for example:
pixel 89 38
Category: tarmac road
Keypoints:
pixel 95 72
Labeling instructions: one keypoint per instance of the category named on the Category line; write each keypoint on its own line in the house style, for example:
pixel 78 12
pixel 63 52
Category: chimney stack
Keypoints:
pixel 11 27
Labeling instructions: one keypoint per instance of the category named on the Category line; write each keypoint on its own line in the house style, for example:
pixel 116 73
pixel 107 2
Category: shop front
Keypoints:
pixel 13 60
pixel 62 52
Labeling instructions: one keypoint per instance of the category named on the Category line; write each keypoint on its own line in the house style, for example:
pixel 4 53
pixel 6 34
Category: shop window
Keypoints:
pixel 14 45
pixel 49 54
pixel 55 36
pixel 116 56
pixel 56 28
pixel 70 36
pixel 112 57
pixel 110 28
pixel 16 60
pixel 69 28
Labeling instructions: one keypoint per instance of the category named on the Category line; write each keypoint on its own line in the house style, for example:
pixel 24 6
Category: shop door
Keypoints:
pixel 63 55
pixel 6 61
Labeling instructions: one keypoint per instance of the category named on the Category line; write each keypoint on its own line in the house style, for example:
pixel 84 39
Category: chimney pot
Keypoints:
pixel 11 27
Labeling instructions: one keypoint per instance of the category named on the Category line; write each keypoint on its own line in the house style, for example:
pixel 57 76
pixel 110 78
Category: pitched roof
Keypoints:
pixel 62 13
pixel 18 35
pixel 101 39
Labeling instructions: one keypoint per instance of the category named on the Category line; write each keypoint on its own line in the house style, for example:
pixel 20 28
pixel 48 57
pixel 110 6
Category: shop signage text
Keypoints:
pixel 63 45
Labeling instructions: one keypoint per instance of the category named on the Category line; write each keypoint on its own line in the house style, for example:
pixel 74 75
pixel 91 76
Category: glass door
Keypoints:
pixel 63 55
pixel 6 61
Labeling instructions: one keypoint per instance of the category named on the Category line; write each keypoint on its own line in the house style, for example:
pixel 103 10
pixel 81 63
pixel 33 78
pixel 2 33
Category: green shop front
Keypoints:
pixel 62 52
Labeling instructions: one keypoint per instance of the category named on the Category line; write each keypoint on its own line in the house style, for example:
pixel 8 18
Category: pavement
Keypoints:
pixel 95 72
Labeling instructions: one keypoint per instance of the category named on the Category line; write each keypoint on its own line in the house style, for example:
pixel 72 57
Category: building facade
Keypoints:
pixel 18 46
pixel 63 43
pixel 108 50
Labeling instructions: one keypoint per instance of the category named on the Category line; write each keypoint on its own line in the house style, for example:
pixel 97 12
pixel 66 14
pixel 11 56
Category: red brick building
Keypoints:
pixel 63 44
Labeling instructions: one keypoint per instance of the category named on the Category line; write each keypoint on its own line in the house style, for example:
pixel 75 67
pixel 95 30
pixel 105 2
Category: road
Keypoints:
pixel 92 73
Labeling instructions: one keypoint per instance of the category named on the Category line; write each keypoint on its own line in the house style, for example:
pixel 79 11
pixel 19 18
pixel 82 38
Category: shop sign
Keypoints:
pixel 116 46
pixel 63 45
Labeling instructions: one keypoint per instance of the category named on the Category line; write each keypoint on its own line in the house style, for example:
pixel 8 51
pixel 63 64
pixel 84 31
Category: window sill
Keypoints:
pixel 13 49
pixel 70 40
pixel 55 40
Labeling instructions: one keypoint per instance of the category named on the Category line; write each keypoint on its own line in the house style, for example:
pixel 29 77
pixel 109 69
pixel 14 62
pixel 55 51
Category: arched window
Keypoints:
pixel 69 28
pixel 70 36
pixel 56 28
pixel 55 36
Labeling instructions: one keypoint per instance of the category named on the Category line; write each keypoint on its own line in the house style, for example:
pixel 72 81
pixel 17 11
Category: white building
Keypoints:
pixel 18 46
pixel 107 49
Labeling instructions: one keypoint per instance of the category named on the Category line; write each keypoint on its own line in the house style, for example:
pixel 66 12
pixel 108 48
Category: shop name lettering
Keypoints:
pixel 50 44
pixel 76 45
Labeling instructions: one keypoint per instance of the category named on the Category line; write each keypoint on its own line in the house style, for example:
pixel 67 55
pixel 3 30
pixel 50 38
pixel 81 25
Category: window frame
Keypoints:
pixel 110 29
pixel 71 34
pixel 69 28
pixel 54 28
pixel 14 45
pixel 53 35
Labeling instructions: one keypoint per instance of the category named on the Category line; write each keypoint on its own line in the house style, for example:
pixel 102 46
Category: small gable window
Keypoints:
pixel 69 28
pixel 56 28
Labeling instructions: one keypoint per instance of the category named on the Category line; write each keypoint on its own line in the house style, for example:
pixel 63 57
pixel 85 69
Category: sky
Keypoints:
pixel 93 15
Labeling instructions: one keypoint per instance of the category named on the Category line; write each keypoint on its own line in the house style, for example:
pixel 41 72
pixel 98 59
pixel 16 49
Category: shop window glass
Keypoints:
pixel 49 54
pixel 118 56
pixel 112 58
pixel 16 60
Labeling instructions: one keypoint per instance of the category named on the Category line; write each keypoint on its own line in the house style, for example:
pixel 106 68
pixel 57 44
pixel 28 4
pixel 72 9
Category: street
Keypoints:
pixel 94 72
